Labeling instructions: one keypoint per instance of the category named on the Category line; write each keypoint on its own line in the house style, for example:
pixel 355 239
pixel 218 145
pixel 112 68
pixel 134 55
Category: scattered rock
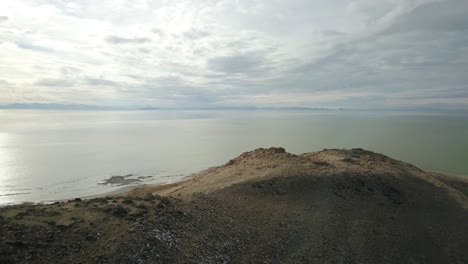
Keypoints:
pixel 149 197
pixel 120 211
pixel 128 201
pixel 349 160
pixel 99 200
pixel 91 237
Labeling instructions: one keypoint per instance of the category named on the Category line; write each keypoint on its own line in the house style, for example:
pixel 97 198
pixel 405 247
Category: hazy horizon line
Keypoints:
pixel 62 106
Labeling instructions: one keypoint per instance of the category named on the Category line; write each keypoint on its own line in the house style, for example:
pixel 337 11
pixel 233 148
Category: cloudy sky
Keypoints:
pixel 316 53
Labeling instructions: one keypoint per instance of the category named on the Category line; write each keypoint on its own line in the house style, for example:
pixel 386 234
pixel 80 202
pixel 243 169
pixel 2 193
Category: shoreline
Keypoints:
pixel 143 189
pixel 121 191
pixel 126 190
pixel 132 190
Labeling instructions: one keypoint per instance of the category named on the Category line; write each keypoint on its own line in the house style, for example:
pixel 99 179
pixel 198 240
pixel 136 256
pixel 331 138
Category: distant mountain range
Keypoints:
pixel 241 108
pixel 54 106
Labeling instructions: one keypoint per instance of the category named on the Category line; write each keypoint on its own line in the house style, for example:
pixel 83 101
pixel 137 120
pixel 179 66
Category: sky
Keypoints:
pixel 361 54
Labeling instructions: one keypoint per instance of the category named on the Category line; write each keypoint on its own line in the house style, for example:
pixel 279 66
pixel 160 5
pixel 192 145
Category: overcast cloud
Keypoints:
pixel 333 53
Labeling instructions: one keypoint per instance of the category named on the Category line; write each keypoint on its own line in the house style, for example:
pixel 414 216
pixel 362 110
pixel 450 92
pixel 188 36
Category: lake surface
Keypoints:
pixel 48 155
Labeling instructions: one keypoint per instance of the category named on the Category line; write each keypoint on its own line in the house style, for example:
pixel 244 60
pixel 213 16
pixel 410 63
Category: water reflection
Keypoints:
pixel 6 196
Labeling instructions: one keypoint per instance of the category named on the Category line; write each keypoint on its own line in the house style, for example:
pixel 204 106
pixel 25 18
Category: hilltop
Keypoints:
pixel 265 206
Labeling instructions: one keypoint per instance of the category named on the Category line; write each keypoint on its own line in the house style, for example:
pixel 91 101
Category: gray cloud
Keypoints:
pixel 195 34
pixel 54 82
pixel 445 16
pixel 395 60
pixel 123 40
pixel 158 32
pixel 100 82
pixel 68 70
pixel 144 50
pixel 33 47
pixel 3 19
pixel 235 64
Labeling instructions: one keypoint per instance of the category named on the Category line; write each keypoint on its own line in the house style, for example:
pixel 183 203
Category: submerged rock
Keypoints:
pixel 120 180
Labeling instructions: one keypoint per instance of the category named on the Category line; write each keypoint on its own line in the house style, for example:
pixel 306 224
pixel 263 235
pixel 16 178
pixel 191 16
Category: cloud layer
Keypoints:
pixel 337 53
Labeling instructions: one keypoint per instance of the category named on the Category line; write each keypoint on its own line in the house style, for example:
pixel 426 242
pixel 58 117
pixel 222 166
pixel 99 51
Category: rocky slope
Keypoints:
pixel 265 206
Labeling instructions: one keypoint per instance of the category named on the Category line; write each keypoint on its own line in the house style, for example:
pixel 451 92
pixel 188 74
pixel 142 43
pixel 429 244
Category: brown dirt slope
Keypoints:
pixel 266 206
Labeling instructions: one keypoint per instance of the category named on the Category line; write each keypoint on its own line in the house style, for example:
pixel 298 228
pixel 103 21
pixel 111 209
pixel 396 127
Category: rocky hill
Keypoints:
pixel 265 206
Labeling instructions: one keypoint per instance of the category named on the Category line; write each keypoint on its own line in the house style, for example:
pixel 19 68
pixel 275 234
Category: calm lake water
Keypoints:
pixel 49 155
